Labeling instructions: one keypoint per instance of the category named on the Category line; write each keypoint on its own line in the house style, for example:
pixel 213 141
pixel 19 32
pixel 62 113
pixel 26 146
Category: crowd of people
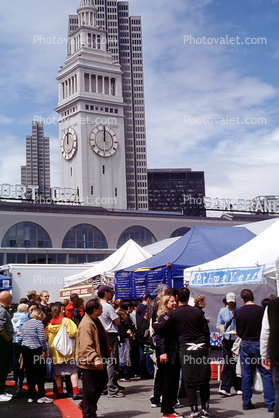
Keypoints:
pixel 165 338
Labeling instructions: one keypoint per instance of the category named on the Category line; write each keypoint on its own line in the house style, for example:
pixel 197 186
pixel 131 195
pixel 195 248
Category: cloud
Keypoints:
pixel 184 84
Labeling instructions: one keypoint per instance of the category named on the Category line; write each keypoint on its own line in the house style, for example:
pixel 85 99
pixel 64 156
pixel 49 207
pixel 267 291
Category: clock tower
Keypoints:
pixel 91 116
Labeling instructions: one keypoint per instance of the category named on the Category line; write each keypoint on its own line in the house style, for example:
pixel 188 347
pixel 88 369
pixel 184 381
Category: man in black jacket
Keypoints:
pixel 194 341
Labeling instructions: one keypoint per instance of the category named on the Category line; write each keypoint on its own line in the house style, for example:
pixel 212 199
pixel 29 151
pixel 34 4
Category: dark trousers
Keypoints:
pixel 158 383
pixel 170 388
pixel 192 391
pixel 18 372
pixel 6 359
pixel 35 371
pixel 146 367
pixel 134 354
pixel 228 376
pixel 93 383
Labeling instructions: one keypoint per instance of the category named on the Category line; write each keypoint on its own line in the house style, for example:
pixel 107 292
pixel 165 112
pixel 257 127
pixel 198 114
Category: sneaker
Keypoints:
pixel 8 394
pixel 135 377
pixel 44 399
pixel 124 380
pixel 173 415
pixel 238 392
pixel 178 404
pixel 30 400
pixel 224 392
pixel 5 398
pixel 117 395
pixel 271 410
pixel 206 413
pixel 194 415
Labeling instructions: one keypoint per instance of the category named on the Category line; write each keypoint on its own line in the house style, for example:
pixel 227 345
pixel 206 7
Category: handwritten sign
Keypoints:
pixel 225 277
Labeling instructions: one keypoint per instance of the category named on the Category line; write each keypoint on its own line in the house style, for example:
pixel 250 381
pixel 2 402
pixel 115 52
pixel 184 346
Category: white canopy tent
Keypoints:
pixel 158 246
pixel 259 226
pixel 129 254
pixel 263 249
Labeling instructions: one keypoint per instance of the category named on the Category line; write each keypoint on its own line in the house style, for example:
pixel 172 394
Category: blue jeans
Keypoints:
pixel 250 359
pixel 276 387
pixel 146 366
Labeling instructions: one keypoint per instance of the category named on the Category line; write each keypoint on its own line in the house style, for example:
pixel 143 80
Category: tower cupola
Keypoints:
pixel 86 13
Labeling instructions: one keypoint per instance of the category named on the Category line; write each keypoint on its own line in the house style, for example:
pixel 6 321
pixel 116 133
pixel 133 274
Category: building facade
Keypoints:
pixel 124 41
pixel 36 172
pixel 58 234
pixel 178 190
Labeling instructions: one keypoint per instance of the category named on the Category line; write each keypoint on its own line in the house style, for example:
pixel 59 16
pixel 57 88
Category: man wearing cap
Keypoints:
pixel 226 324
pixel 110 321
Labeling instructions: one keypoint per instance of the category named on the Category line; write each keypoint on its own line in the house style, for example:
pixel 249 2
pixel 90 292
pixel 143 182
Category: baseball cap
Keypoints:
pixel 105 288
pixel 230 297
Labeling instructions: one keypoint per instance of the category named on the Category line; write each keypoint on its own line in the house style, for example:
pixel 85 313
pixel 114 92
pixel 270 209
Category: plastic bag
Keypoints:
pixel 64 344
pixel 258 384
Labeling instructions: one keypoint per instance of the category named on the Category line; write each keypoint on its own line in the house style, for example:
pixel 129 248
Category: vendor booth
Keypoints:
pixel 199 245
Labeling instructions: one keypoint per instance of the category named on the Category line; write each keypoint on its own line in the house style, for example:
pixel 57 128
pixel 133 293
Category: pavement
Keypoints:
pixel 135 404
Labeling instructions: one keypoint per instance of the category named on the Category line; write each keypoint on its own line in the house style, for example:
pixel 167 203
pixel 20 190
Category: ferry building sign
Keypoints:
pixel 260 204
pixel 21 192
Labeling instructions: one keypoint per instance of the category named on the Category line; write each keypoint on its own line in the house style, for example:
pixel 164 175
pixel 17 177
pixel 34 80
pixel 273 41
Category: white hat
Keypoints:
pixel 230 297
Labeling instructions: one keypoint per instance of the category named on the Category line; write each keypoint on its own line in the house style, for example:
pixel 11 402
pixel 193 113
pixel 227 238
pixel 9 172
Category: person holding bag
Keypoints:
pixel 62 363
pixel 34 351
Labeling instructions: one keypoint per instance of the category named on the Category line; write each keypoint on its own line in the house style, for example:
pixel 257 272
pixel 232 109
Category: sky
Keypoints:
pixel 211 87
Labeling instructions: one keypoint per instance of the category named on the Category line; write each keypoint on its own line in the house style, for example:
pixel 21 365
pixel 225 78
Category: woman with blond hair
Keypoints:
pixel 62 366
pixel 34 352
pixel 167 362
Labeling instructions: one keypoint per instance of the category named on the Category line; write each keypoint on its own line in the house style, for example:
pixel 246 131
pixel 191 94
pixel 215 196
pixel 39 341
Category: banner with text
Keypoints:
pixel 224 277
pixel 133 285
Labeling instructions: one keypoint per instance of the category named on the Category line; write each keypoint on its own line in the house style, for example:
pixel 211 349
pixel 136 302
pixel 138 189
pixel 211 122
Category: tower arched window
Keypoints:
pixel 26 235
pixel 139 234
pixel 84 236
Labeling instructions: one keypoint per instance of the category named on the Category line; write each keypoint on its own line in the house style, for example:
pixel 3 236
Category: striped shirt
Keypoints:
pixel 33 335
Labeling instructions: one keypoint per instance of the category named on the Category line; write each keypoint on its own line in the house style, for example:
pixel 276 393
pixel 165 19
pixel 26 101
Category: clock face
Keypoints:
pixel 103 141
pixel 69 143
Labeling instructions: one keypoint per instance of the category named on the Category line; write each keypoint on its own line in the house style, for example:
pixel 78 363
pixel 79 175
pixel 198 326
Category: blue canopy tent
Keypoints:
pixel 199 245
pixel 5 283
